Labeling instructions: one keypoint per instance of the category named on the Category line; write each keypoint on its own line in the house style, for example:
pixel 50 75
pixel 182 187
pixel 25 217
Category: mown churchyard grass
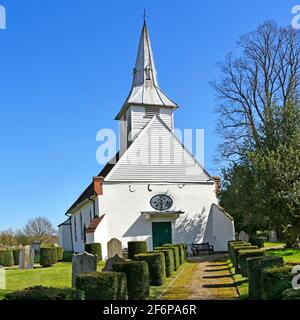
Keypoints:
pixel 288 255
pixel 240 282
pixel 156 291
pixel 58 276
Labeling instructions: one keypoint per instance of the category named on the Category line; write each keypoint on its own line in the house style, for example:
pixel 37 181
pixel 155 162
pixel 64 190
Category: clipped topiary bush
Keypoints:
pixel 43 293
pixel 48 256
pixel 181 252
pixel 16 253
pixel 244 254
pixel 256 241
pixel 235 255
pixel 157 266
pixel 234 244
pixel 6 258
pixel 102 285
pixel 274 281
pixel 175 253
pixel 169 259
pixel 67 256
pixel 291 294
pixel 136 247
pixel 230 242
pixel 60 253
pixel 137 275
pixel 184 246
pixel 255 268
pixel 94 248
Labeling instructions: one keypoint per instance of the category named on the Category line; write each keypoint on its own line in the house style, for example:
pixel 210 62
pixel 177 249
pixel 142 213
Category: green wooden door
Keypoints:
pixel 161 233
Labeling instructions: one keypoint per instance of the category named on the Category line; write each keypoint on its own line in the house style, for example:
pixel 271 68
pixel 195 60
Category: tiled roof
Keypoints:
pixel 94 224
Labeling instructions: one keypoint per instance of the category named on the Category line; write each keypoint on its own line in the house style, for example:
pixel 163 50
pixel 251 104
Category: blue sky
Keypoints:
pixel 65 70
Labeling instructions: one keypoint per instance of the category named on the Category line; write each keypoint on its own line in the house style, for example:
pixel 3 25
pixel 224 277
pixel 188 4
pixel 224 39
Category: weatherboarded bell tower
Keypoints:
pixel 145 98
pixel 154 189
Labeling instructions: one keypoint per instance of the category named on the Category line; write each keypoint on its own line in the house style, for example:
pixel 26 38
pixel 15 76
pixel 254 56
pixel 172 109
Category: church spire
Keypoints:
pixel 145 89
pixel 144 67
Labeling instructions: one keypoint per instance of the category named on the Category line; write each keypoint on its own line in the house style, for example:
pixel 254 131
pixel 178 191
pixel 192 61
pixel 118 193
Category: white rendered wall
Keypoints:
pixel 87 216
pixel 220 229
pixel 123 209
pixel 64 235
pixel 101 236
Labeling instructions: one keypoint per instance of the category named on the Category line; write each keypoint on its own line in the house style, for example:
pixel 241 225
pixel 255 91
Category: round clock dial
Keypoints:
pixel 161 202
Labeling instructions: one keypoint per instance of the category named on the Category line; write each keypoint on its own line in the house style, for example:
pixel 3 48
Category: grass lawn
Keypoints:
pixel 289 255
pixel 240 282
pixel 156 291
pixel 59 276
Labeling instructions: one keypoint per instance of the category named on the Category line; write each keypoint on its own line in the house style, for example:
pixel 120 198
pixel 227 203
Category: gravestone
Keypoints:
pixel 83 262
pixel 36 246
pixel 273 236
pixel 26 258
pixel 114 246
pixel 243 236
pixel 2 278
pixel 109 262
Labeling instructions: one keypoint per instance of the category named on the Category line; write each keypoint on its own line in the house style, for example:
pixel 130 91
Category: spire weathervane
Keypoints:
pixel 144 16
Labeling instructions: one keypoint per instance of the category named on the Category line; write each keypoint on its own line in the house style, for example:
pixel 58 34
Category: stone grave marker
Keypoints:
pixel 109 262
pixel 26 258
pixel 243 236
pixel 83 262
pixel 114 246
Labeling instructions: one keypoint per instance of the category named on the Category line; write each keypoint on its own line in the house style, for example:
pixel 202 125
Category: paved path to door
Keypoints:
pixel 206 277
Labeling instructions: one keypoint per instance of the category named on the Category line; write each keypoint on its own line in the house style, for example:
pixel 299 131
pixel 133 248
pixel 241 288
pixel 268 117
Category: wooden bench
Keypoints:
pixel 198 247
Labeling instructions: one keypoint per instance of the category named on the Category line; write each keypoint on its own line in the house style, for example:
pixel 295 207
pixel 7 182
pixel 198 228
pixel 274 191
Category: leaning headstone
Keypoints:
pixel 114 246
pixel 83 262
pixel 26 258
pixel 109 262
pixel 243 236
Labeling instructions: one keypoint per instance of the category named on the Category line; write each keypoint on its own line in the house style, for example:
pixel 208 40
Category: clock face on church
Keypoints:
pixel 161 202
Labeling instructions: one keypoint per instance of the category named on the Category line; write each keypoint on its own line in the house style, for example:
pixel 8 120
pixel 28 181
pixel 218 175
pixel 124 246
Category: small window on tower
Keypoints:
pixel 148 75
pixel 151 111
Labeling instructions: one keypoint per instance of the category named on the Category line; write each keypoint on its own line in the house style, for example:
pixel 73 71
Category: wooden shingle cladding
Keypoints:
pixel 156 155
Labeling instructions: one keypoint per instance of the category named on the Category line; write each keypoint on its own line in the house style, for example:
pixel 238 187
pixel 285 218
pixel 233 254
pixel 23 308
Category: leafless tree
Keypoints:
pixel 40 230
pixel 266 76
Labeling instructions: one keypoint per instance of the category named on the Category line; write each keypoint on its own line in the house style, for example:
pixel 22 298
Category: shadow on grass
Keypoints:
pixel 217 277
pixel 215 270
pixel 219 285
pixel 240 282
pixel 217 265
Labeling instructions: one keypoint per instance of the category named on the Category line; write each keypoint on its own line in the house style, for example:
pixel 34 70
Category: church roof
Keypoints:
pixel 89 191
pixel 94 224
pixel 145 89
pixel 157 155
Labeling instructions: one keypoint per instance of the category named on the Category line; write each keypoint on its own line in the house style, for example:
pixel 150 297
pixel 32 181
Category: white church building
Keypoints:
pixel 153 189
